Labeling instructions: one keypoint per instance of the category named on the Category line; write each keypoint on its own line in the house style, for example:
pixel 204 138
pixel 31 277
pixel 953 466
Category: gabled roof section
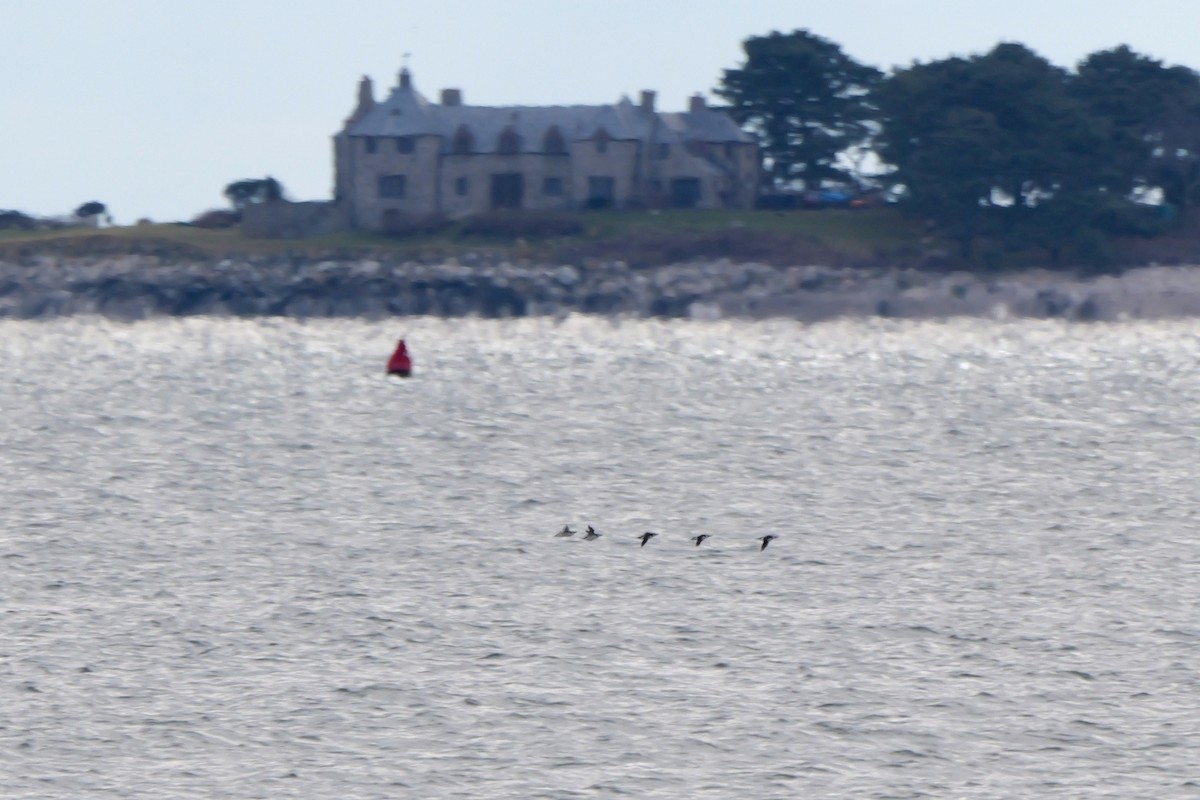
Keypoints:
pixel 406 112
pixel 706 126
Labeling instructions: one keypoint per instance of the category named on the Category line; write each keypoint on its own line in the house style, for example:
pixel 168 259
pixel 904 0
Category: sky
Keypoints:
pixel 154 106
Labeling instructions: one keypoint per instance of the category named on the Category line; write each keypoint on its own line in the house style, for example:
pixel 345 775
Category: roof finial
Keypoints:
pixel 405 75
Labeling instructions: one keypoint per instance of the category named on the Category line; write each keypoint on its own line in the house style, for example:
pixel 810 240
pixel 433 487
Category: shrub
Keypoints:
pixel 16 220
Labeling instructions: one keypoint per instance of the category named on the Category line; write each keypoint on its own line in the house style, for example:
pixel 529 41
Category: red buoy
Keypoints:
pixel 401 362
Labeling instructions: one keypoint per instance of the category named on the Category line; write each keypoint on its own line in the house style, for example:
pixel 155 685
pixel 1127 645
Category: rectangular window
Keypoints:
pixel 664 150
pixel 552 187
pixel 404 144
pixel 370 144
pixel 460 187
pixel 392 187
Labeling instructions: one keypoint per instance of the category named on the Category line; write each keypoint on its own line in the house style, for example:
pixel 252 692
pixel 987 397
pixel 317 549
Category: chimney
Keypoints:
pixel 648 101
pixel 696 104
pixel 452 97
pixel 405 78
pixel 366 101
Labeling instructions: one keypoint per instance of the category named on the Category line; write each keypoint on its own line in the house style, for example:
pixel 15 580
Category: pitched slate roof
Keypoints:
pixel 406 112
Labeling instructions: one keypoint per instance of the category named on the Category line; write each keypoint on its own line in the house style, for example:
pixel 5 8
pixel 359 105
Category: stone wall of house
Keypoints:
pixel 419 168
pixel 477 170
pixel 433 180
pixel 463 189
pixel 342 170
pixel 458 185
pixel 745 185
pixel 558 168
pixel 613 159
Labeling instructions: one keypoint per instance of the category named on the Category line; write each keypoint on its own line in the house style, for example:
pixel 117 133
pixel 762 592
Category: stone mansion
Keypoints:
pixel 405 157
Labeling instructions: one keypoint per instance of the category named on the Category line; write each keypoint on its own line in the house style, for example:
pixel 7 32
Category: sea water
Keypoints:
pixel 238 561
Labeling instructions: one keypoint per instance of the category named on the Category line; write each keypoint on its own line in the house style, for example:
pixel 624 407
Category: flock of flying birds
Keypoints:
pixel 591 533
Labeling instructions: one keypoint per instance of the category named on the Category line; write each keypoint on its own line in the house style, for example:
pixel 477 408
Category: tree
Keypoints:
pixel 91 209
pixel 1154 115
pixel 993 144
pixel 805 100
pixel 253 190
pixel 1175 163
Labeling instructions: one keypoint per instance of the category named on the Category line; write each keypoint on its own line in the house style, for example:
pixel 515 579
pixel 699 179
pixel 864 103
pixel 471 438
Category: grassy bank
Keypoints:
pixel 833 237
pixel 642 238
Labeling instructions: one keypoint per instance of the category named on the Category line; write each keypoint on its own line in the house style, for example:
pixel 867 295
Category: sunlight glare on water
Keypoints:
pixel 238 561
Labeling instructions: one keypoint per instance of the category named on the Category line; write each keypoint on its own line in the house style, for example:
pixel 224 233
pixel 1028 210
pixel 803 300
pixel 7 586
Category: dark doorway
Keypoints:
pixel 685 192
pixel 508 189
pixel 602 192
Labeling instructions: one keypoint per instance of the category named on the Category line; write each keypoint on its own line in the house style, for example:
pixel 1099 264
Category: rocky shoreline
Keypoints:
pixel 142 286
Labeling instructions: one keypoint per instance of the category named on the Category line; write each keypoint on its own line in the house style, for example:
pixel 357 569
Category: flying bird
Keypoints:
pixel 591 533
pixel 647 536
pixel 699 539
pixel 766 540
pixel 566 531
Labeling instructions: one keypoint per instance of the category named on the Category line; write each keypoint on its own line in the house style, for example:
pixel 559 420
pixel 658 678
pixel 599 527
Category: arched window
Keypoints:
pixel 509 143
pixel 464 142
pixel 553 143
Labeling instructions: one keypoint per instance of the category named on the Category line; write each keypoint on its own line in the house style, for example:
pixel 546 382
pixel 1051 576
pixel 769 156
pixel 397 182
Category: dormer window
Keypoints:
pixel 602 138
pixel 554 144
pixel 463 142
pixel 404 144
pixel 370 144
pixel 509 143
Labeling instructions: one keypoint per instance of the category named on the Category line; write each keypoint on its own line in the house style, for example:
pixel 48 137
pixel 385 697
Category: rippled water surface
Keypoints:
pixel 235 561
